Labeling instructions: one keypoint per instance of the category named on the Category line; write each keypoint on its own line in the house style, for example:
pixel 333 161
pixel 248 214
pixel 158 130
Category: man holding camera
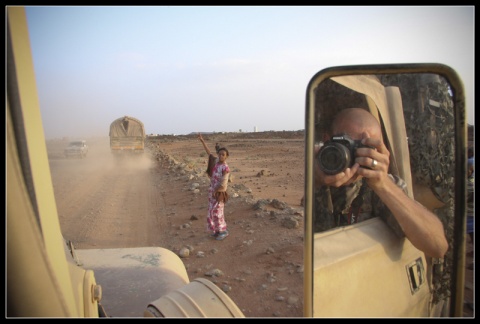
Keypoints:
pixel 353 184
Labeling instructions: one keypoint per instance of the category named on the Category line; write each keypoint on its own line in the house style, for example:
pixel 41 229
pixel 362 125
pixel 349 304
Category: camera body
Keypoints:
pixel 338 153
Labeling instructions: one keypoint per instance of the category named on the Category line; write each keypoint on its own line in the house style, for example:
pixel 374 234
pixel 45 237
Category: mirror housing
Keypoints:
pixel 358 78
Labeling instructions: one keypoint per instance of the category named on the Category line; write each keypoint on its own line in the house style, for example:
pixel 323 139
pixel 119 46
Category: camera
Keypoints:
pixel 338 153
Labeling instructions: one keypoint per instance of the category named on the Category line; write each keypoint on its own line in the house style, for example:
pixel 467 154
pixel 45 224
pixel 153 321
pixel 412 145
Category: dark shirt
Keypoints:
pixel 352 204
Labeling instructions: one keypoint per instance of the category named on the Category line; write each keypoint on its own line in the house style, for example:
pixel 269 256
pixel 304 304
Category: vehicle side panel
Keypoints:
pixel 365 270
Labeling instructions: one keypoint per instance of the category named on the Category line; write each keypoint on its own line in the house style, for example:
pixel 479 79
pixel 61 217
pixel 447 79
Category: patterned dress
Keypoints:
pixel 216 218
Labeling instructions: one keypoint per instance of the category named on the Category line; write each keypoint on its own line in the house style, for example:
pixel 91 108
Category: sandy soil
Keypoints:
pixel 151 201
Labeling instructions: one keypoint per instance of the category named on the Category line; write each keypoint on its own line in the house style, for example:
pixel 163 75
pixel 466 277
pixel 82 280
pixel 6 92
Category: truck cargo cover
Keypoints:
pixel 126 126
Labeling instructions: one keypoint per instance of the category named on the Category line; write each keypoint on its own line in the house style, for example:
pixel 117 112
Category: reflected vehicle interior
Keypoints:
pixel 364 269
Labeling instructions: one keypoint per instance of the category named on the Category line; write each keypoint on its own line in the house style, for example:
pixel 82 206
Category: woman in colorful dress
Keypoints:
pixel 218 172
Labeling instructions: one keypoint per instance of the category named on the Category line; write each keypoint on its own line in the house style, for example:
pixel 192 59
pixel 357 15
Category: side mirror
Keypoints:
pixel 421 110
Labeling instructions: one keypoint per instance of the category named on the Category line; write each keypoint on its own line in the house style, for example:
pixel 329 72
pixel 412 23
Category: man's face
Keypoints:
pixel 355 131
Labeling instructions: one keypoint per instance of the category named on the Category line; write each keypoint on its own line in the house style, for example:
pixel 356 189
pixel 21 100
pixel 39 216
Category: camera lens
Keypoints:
pixel 334 158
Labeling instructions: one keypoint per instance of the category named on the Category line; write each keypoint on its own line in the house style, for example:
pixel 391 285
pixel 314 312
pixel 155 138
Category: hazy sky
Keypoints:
pixel 182 69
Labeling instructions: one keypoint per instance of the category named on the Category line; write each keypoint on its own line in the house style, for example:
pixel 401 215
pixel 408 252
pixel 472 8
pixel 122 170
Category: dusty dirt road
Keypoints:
pixel 152 201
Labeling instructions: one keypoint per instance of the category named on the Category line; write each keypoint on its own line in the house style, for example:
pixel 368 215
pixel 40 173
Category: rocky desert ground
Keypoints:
pixel 161 200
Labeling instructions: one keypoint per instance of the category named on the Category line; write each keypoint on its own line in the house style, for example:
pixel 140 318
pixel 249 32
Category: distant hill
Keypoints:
pixel 225 135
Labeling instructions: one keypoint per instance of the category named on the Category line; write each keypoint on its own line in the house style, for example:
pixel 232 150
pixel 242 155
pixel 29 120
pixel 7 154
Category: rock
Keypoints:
pixel 292 300
pixel 214 273
pixel 290 222
pixel 226 288
pixel 194 186
pixel 184 252
pixel 278 204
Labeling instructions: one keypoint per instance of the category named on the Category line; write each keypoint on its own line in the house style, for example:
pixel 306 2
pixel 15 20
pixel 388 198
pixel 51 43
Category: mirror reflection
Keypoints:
pixel 383 193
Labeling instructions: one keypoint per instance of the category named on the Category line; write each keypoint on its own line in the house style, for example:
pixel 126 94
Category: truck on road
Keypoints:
pixel 127 136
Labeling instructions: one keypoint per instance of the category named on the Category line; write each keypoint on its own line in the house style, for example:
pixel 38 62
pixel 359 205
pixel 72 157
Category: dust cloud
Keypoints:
pixel 99 157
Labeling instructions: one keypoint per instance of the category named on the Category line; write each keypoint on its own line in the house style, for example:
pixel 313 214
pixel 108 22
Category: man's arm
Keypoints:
pixel 421 227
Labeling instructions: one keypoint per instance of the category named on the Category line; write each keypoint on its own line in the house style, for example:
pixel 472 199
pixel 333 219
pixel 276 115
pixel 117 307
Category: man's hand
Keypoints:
pixel 376 172
pixel 346 177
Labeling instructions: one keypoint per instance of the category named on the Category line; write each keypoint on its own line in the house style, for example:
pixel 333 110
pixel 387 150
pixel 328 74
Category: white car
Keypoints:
pixel 77 149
